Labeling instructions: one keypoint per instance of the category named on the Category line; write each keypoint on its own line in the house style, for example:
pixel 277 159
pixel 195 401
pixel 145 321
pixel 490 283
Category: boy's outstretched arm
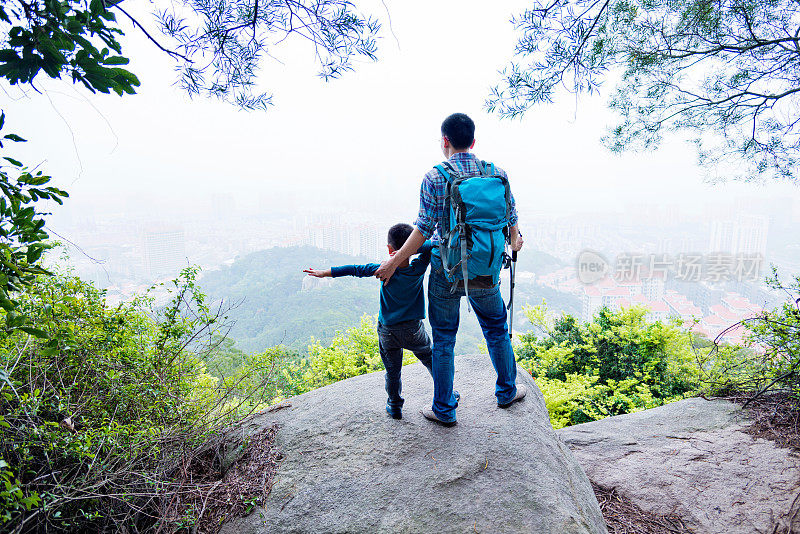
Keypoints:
pixel 411 246
pixel 318 273
pixel 343 270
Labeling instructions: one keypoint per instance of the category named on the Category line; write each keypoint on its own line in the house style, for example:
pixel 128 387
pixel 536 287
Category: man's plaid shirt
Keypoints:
pixel 432 192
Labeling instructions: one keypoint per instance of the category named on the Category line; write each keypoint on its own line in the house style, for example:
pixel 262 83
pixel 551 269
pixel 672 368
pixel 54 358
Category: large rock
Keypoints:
pixel 692 458
pixel 348 467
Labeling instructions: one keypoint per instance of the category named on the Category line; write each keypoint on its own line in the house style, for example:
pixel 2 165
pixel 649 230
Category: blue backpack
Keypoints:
pixel 474 226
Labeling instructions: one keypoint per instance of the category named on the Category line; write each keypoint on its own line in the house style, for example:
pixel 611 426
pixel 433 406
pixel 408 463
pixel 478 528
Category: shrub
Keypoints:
pixel 101 417
pixel 617 363
pixel 770 359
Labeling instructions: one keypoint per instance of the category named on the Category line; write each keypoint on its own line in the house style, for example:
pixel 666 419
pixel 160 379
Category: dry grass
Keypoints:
pixel 211 494
pixel 624 517
pixel 775 416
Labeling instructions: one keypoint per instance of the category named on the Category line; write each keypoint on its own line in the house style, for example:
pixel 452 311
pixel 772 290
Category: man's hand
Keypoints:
pixel 386 270
pixel 516 245
pixel 516 239
pixel 317 273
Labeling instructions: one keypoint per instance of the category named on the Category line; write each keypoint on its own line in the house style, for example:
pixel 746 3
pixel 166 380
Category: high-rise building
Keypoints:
pixel 165 251
pixel 653 287
pixel 746 234
pixel 368 242
pixel 723 236
pixel 752 235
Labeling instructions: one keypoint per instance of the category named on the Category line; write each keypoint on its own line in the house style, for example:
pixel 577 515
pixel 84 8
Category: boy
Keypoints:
pixel 401 313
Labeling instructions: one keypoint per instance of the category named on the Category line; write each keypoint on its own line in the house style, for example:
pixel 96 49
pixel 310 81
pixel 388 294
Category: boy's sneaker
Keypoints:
pixel 458 397
pixel 394 413
pixel 521 392
pixel 429 415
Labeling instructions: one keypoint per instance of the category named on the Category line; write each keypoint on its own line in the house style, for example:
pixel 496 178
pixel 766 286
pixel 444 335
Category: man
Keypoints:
pixel 458 138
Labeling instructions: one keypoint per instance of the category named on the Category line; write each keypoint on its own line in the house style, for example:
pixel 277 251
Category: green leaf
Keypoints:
pixel 50 351
pixel 34 253
pixel 116 60
pixel 41 334
pixel 13 161
pixel 14 137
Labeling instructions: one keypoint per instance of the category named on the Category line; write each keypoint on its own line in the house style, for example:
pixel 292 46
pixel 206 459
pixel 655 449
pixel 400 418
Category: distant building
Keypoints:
pixel 745 235
pixel 368 244
pixel 653 288
pixel 619 297
pixel 165 251
pixel 723 236
pixel 682 307
pixel 752 236
pixel 591 303
pixel 658 310
pixel 705 295
pixel 340 235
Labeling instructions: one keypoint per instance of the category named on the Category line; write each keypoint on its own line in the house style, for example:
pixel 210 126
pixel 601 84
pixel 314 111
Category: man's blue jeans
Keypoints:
pixel 443 314
pixel 392 340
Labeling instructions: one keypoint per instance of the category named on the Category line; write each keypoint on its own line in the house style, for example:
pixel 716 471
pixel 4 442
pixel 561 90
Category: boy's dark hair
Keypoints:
pixel 398 235
pixel 459 130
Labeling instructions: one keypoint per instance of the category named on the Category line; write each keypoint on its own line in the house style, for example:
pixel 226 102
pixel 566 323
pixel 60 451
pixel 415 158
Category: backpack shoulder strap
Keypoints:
pixel 486 168
pixel 447 169
pixel 492 171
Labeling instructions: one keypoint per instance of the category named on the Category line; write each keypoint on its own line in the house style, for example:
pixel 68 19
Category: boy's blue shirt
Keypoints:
pixel 402 297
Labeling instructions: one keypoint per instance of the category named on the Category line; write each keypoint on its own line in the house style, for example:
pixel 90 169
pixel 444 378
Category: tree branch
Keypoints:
pixel 145 32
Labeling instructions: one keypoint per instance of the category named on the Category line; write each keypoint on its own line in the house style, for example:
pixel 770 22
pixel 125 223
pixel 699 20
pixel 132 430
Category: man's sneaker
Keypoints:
pixel 394 413
pixel 458 397
pixel 429 415
pixel 521 392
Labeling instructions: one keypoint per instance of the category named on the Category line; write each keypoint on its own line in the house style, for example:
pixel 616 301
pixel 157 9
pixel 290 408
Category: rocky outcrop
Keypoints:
pixel 348 467
pixel 693 459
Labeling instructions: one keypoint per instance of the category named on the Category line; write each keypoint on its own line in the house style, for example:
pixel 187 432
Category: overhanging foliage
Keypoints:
pixel 727 71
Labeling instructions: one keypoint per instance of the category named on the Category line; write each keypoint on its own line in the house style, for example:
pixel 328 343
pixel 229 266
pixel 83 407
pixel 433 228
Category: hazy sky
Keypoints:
pixel 362 141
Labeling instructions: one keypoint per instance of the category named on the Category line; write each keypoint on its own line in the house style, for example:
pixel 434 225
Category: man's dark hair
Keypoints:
pixel 459 130
pixel 398 235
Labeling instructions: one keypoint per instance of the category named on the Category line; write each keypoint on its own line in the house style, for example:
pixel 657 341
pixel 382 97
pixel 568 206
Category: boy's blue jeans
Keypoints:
pixel 443 314
pixel 392 340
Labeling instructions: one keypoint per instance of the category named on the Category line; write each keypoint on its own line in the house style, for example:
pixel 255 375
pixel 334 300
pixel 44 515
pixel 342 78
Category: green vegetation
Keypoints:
pixel 725 73
pixel 271 307
pixel 23 239
pixel 73 38
pixel 216 47
pixel 618 363
pixel 351 353
pixel 774 365
pixel 99 425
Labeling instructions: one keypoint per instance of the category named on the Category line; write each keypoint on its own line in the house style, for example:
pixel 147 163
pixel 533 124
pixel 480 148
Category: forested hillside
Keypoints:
pixel 277 304
pixel 273 308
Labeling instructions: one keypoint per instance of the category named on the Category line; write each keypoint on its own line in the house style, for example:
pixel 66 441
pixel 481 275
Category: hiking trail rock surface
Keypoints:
pixel 692 458
pixel 348 467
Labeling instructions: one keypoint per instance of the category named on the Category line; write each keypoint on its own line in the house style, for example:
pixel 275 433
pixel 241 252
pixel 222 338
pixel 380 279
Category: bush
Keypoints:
pixel 770 359
pixel 617 363
pixel 100 418
pixel 351 353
